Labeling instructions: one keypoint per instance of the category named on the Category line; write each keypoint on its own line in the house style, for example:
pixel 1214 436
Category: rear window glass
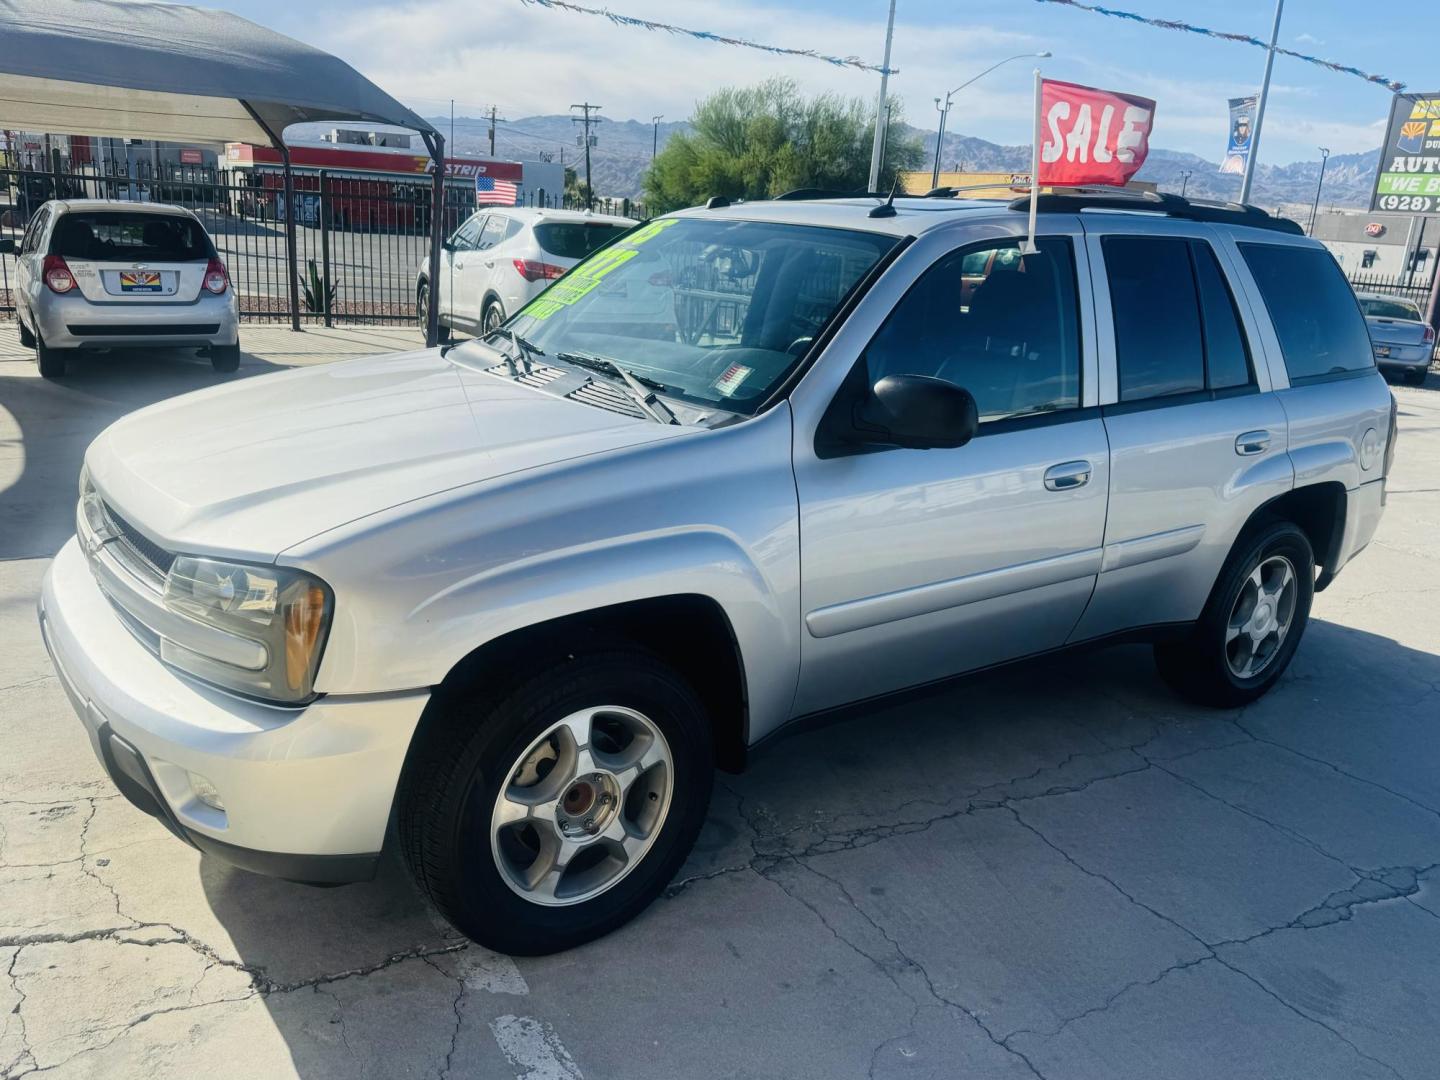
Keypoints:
pixel 575 240
pixel 1313 309
pixel 1391 309
pixel 105 234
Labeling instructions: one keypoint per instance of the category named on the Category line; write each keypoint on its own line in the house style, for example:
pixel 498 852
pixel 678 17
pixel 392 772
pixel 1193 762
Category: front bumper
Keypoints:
pixel 70 321
pixel 307 792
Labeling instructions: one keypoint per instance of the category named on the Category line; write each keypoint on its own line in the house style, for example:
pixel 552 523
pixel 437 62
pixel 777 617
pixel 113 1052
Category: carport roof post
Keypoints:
pixel 177 74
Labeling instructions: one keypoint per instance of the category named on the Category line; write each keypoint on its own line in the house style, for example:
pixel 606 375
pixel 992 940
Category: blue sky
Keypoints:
pixel 530 60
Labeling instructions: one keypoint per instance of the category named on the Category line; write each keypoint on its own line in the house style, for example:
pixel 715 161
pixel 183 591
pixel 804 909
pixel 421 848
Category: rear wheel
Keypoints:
pixel 51 361
pixel 1252 623
pixel 27 339
pixel 422 314
pixel 556 811
pixel 1415 378
pixel 493 317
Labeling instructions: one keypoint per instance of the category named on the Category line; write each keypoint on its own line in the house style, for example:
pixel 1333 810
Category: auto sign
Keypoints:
pixel 1408 179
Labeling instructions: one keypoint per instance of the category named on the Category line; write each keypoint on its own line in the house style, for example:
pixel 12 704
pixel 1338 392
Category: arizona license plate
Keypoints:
pixel 139 281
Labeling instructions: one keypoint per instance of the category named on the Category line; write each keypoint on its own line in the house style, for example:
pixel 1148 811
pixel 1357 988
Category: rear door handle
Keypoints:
pixel 1067 476
pixel 1252 442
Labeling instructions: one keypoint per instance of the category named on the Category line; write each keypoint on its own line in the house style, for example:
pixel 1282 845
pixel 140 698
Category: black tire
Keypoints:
pixel 422 314
pixel 492 317
pixel 1415 378
pixel 466 754
pixel 51 361
pixel 1197 666
pixel 225 358
pixel 27 339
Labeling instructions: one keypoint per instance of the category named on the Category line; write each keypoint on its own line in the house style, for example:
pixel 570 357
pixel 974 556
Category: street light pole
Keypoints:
pixel 655 134
pixel 1254 154
pixel 944 110
pixel 1185 182
pixel 881 114
pixel 1315 206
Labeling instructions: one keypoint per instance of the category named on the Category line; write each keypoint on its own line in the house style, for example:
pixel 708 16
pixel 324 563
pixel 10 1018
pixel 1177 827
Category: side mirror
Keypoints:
pixel 917 412
pixel 448 244
pixel 7 246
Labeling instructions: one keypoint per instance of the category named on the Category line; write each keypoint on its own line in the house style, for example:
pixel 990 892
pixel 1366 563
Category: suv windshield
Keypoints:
pixel 575 239
pixel 717 312
pixel 1391 309
pixel 104 235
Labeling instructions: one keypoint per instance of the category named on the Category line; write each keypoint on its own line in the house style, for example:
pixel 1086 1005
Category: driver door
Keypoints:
pixel 452 264
pixel 921 564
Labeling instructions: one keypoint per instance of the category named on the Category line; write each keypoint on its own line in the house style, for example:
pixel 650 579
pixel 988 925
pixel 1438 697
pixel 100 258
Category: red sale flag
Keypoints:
pixel 1085 136
pixel 1091 136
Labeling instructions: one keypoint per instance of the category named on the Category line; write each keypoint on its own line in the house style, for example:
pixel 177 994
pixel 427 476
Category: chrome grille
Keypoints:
pixel 138 545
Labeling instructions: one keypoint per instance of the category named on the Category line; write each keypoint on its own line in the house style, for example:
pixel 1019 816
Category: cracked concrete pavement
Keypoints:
pixel 1058 870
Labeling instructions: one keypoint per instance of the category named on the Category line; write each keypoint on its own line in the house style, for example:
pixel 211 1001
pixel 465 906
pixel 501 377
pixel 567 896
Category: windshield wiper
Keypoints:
pixel 641 387
pixel 523 349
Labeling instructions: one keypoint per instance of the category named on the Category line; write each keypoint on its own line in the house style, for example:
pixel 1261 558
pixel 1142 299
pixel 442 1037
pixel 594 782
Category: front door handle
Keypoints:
pixel 1067 476
pixel 1252 442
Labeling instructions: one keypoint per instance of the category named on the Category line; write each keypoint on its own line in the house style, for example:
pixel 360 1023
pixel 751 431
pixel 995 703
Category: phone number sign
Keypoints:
pixel 1409 177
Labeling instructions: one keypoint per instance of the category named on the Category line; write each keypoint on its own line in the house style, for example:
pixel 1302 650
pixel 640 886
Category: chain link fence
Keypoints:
pixel 360 240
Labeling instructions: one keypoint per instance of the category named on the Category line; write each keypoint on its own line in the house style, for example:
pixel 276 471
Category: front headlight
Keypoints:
pixel 91 523
pixel 286 611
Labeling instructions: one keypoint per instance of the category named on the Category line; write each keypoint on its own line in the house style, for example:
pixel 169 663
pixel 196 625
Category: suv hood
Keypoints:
pixel 254 467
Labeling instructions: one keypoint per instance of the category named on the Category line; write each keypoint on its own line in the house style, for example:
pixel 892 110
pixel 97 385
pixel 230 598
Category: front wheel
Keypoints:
pixel 1252 623
pixel 555 812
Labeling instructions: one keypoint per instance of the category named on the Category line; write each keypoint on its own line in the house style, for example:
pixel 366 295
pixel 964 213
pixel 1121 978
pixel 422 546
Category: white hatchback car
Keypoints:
pixel 501 258
pixel 98 274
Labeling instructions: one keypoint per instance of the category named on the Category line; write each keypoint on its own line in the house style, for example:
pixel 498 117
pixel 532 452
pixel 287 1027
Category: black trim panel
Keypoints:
pixel 1165 401
pixel 1335 376
pixel 143 330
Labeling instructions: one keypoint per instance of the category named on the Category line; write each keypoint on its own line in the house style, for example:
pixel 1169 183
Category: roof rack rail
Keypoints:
pixel 1158 202
pixel 808 193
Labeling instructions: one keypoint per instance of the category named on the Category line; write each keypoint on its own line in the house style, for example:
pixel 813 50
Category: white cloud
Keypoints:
pixel 1308 39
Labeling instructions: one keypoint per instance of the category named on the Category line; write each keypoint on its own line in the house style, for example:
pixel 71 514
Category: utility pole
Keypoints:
pixel 493 119
pixel 655 134
pixel 587 120
pixel 1185 182
pixel 1254 154
pixel 881 115
pixel 1315 206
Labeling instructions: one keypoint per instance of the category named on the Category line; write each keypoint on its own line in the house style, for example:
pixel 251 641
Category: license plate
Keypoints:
pixel 139 281
pixel 1382 351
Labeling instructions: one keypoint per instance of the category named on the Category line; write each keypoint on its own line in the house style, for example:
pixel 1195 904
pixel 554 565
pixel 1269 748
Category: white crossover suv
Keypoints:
pixel 98 274
pixel 521 596
pixel 501 258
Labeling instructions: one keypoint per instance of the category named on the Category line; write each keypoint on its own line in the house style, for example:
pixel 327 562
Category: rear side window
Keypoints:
pixel 575 239
pixel 1157 321
pixel 1176 327
pixel 106 234
pixel 1316 317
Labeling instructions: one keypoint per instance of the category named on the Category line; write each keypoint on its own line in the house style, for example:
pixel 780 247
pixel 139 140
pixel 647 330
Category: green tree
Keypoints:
pixel 757 142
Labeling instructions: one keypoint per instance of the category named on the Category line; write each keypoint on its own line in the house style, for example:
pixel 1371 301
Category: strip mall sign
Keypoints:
pixel 1091 136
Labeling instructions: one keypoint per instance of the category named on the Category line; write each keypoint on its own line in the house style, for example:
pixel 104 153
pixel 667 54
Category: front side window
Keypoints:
pixel 1313 309
pixel 465 237
pixel 718 312
pixel 493 232
pixel 104 235
pixel 1002 325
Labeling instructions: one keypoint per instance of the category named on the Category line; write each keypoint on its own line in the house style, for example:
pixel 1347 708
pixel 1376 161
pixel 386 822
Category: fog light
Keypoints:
pixel 205 791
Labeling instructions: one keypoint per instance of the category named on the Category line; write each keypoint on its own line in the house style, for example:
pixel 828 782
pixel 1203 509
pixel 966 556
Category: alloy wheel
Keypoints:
pixel 582 805
pixel 1261 617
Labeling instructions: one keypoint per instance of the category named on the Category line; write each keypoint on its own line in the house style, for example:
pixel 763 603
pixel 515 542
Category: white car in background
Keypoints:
pixel 501 258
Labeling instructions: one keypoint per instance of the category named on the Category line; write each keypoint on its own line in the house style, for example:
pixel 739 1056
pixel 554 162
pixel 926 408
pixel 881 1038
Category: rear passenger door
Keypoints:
pixel 1197 440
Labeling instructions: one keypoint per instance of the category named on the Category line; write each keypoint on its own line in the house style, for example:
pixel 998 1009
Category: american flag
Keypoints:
pixel 492 192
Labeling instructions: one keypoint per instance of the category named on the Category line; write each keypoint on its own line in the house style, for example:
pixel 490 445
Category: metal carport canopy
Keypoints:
pixel 186 74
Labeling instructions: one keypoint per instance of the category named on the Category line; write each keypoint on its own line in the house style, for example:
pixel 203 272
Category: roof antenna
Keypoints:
pixel 887 209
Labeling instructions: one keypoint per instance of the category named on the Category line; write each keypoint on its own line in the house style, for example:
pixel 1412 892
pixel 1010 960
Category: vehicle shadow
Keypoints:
pixel 1017 733
pixel 45 426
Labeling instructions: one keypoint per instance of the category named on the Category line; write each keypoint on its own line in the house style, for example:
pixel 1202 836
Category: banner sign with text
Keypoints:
pixel 1091 136
pixel 1242 123
pixel 1409 175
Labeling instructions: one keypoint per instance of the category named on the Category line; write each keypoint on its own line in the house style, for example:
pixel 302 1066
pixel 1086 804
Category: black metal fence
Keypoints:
pixel 1414 287
pixel 359 240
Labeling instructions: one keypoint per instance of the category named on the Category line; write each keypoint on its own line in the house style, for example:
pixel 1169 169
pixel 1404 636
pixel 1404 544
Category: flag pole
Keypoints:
pixel 1029 248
